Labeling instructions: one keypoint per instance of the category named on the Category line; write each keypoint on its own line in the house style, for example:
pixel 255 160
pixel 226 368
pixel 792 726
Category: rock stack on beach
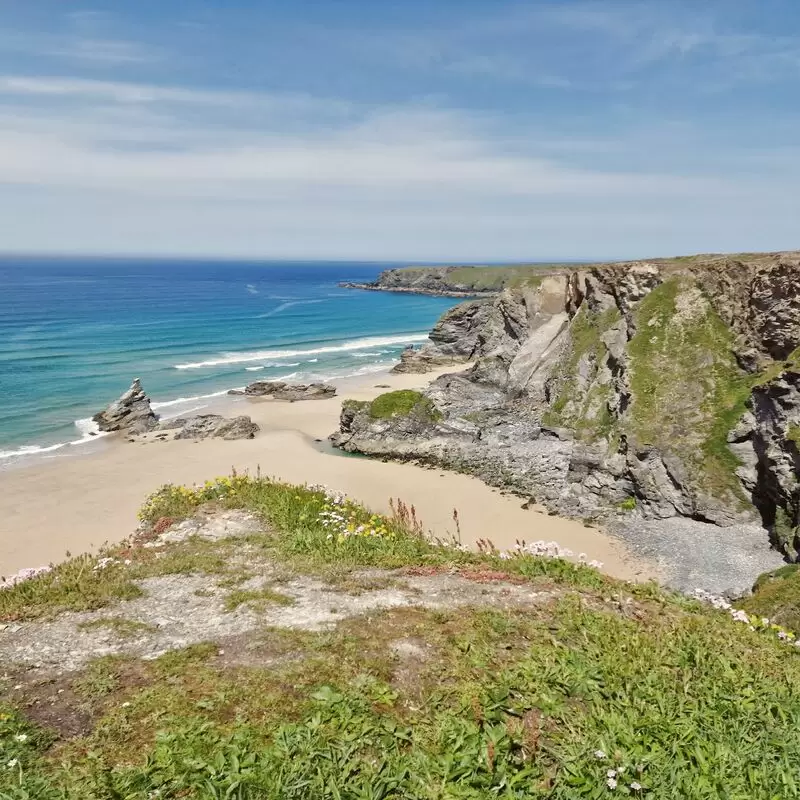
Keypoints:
pixel 131 413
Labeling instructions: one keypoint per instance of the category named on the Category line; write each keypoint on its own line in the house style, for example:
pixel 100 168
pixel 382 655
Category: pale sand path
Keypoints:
pixel 77 503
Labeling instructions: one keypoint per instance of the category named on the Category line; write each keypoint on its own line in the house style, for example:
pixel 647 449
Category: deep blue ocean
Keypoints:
pixel 75 332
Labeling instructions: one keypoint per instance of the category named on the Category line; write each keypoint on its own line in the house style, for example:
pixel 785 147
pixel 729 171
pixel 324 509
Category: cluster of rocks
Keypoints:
pixel 291 392
pixel 133 415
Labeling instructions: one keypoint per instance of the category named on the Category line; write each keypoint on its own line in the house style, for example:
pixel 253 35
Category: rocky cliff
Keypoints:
pixel 666 388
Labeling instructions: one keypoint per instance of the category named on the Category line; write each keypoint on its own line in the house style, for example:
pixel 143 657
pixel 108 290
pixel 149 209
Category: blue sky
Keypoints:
pixel 448 130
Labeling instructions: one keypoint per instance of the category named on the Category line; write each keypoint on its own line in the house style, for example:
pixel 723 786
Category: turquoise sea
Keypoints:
pixel 75 332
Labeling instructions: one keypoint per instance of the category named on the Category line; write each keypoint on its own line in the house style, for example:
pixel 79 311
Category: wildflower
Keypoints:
pixel 599 754
pixel 636 786
pixel 21 737
pixel 13 763
pixel 739 616
pixel 611 783
pixel 126 705
pixel 612 773
pixel 764 621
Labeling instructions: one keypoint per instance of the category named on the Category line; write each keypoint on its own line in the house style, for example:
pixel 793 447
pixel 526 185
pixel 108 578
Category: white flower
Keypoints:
pixel 599 754
pixel 13 763
pixel 636 786
pixel 612 784
pixel 612 773
pixel 764 621
pixel 739 616
pixel 126 705
pixel 21 737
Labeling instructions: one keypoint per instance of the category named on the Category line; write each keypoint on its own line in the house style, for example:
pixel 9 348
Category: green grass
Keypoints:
pixel 508 703
pixel 100 678
pixel 490 278
pixel 688 390
pixel 71 586
pixel 776 596
pixel 260 597
pixel 494 279
pixel 119 626
pixel 402 403
pixel 793 434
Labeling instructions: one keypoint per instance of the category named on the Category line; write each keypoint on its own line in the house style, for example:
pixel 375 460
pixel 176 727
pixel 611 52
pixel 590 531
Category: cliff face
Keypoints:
pixel 665 387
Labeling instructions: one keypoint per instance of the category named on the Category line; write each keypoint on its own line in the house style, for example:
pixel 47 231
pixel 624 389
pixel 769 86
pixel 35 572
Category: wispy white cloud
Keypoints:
pixel 379 149
pixel 465 173
pixel 101 51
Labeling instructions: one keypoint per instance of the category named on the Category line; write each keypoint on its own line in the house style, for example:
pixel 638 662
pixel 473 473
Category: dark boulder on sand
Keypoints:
pixel 288 391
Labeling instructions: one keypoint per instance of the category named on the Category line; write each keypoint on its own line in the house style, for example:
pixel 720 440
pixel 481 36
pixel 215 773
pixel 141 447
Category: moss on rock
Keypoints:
pixel 687 389
pixel 581 403
pixel 402 403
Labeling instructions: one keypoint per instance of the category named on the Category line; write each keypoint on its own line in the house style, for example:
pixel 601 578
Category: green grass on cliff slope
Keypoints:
pixel 583 404
pixel 401 403
pixel 776 596
pixel 490 279
pixel 688 390
pixel 494 279
pixel 602 689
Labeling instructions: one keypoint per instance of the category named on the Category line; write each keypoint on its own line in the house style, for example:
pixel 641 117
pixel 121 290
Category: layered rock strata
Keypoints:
pixel 662 390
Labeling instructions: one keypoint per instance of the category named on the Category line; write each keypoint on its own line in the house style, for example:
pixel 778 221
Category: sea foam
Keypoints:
pixel 355 344
pixel 88 429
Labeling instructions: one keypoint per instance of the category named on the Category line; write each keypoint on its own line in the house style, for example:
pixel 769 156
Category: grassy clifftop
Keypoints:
pixel 491 279
pixel 453 674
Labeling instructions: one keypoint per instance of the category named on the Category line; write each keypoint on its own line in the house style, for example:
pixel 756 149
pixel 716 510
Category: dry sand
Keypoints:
pixel 76 503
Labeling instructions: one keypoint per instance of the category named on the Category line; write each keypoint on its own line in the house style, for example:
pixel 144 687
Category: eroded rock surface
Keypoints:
pixel 279 390
pixel 208 426
pixel 132 413
pixel 623 389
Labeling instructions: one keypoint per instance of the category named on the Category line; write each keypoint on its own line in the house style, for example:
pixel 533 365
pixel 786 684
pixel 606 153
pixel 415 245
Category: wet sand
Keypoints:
pixel 75 503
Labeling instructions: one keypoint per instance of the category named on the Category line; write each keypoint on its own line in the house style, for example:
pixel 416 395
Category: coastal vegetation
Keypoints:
pixel 402 403
pixel 688 391
pixel 570 404
pixel 589 688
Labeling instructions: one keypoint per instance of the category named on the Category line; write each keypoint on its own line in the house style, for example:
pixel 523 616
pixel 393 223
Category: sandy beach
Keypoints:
pixel 75 503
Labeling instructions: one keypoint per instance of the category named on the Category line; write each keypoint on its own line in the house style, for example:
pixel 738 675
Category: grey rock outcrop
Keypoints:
pixel 617 387
pixel 288 391
pixel 767 442
pixel 208 426
pixel 132 413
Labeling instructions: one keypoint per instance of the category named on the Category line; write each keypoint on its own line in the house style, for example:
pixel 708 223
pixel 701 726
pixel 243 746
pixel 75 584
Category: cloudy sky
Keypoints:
pixel 418 130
